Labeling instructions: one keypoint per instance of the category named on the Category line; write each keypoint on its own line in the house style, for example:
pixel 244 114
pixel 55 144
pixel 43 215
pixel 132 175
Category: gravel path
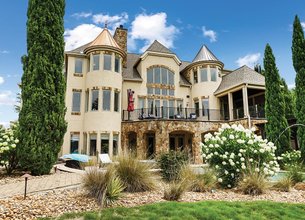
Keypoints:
pixel 74 200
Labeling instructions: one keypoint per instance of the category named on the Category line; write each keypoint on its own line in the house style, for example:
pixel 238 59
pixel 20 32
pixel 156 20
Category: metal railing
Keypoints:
pixel 175 113
pixel 257 111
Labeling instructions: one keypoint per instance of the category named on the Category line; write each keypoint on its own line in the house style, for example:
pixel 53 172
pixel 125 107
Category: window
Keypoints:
pixel 116 101
pixel 164 92
pixel 96 62
pixel 150 76
pixel 164 76
pixel 171 108
pixel 141 103
pixel 106 100
pixel 205 107
pixel 117 64
pixel 76 101
pixel 197 108
pixel 86 101
pixel 171 92
pixel 157 91
pixel 74 143
pixel 107 62
pixel 78 68
pixel 115 145
pixel 92 145
pixel 157 108
pixel 104 143
pixel 180 107
pixel 204 74
pixel 157 76
pixel 165 109
pixel 150 105
pixel 195 74
pixel 213 72
pixel 171 78
pixel 94 100
pixel 150 90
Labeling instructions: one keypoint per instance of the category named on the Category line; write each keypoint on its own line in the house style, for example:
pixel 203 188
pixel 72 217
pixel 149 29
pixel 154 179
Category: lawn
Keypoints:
pixel 200 210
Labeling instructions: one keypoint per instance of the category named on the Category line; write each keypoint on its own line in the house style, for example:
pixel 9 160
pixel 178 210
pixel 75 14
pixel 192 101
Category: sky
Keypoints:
pixel 235 31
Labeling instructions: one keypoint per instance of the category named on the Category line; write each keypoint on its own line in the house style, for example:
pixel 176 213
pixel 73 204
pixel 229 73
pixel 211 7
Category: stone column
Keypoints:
pixel 230 98
pixel 196 148
pixel 245 101
pixel 88 143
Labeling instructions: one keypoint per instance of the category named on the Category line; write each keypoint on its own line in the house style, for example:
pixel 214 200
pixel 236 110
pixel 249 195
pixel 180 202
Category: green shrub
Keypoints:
pixel 171 164
pixel 105 187
pixel 253 183
pixel 135 175
pixel 233 150
pixel 284 184
pixel 295 173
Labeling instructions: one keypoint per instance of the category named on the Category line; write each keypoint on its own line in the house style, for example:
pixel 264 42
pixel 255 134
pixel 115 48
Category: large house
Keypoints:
pixel 152 102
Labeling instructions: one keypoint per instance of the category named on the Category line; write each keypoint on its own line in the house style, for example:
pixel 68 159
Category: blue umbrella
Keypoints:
pixel 79 157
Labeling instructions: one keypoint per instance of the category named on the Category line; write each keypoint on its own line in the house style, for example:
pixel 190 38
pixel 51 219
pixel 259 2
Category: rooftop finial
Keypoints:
pixel 106 24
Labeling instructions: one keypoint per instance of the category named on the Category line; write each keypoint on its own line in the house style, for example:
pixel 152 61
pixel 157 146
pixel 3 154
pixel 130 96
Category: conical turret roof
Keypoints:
pixel 204 54
pixel 104 40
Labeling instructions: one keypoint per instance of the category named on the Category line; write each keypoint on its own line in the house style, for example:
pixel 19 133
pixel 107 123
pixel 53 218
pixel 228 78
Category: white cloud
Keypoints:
pixel 291 86
pixel 249 60
pixel 1 80
pixel 112 21
pixel 303 25
pixel 212 35
pixel 4 52
pixel 82 15
pixel 152 27
pixel 80 35
pixel 5 124
pixel 7 98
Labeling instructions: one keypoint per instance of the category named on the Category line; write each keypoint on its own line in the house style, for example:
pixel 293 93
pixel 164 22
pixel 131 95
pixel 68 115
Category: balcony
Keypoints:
pixel 173 113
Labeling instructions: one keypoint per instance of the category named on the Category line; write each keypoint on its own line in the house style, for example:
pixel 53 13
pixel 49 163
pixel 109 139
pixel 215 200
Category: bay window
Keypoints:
pixel 106 100
pixel 107 62
pixel 76 101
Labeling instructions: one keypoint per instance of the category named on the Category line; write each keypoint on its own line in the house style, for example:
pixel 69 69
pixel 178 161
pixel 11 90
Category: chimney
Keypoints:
pixel 120 36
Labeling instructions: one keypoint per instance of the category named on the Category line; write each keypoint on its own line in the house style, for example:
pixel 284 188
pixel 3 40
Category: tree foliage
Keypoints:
pixel 298 58
pixel 41 118
pixel 275 105
pixel 289 100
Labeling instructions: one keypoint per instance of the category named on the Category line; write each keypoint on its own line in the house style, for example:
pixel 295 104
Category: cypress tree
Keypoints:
pixel 289 102
pixel 275 105
pixel 298 58
pixel 42 123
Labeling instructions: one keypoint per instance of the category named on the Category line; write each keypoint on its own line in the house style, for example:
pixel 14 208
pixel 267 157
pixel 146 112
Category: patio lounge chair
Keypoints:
pixel 105 159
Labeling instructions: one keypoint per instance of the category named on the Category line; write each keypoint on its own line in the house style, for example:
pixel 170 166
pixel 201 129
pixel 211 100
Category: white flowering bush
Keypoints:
pixel 290 159
pixel 234 150
pixel 8 144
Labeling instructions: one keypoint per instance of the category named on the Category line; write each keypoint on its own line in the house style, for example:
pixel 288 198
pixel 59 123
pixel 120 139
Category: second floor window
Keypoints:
pixel 204 74
pixel 106 100
pixel 107 62
pixel 76 101
pixel 94 100
pixel 117 64
pixel 213 72
pixel 195 76
pixel 96 62
pixel 205 106
pixel 78 68
pixel 86 101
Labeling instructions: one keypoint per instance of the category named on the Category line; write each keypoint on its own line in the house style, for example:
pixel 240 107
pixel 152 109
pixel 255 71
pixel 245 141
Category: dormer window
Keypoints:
pixel 96 62
pixel 107 62
pixel 213 72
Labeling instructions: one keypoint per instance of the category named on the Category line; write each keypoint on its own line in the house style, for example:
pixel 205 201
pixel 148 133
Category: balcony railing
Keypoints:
pixel 255 111
pixel 174 113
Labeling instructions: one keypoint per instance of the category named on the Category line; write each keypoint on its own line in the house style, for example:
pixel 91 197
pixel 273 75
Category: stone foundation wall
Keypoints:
pixel 163 128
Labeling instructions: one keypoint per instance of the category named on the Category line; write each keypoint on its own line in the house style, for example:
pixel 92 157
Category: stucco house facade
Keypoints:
pixel 152 102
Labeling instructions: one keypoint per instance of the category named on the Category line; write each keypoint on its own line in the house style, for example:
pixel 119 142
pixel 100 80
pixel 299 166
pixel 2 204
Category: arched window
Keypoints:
pixel 160 81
